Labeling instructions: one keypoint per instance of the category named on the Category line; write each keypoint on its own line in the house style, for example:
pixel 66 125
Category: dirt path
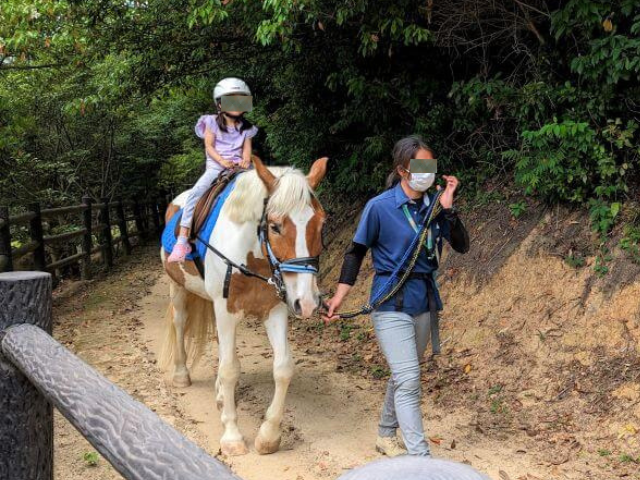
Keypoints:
pixel 331 416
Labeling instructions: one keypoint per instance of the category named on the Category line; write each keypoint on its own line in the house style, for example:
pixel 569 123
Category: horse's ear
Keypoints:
pixel 268 178
pixel 317 172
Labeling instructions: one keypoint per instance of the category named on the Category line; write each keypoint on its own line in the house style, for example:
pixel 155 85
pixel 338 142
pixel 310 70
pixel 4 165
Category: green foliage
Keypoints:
pixel 574 261
pixel 630 242
pixel 545 94
pixel 518 208
pixel 91 459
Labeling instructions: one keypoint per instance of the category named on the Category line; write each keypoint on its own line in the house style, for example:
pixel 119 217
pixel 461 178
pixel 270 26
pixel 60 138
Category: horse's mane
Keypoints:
pixel 292 193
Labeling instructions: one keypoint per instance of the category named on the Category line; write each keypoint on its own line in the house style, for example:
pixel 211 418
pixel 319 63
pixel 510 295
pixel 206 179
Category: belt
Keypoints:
pixel 434 315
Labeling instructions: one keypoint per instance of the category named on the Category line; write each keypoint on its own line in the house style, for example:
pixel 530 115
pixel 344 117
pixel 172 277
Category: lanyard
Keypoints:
pixel 429 244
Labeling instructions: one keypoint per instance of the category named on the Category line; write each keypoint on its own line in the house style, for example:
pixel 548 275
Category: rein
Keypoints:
pixel 416 245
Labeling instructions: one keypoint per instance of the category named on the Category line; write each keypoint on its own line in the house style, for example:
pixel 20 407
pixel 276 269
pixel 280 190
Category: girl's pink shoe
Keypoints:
pixel 180 251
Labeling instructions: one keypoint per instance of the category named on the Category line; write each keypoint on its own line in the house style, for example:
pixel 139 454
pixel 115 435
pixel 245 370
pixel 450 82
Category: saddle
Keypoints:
pixel 203 207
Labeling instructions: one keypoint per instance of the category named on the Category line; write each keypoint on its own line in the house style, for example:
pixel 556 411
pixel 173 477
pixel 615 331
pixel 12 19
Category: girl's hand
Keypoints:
pixel 332 305
pixel 245 163
pixel 446 199
pixel 226 163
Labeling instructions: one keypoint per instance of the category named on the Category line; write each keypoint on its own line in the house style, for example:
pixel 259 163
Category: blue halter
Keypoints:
pixel 293 265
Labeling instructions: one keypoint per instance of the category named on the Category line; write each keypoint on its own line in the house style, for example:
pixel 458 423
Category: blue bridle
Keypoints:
pixel 293 265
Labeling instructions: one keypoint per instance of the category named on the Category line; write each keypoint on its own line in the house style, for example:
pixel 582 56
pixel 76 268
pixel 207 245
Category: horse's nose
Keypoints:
pixel 297 309
pixel 305 307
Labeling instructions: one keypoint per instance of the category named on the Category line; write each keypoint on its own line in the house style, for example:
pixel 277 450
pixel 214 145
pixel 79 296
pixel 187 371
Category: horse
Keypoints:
pixel 280 204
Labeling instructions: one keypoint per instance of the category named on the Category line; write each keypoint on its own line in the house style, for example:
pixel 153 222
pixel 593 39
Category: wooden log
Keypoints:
pixel 105 230
pixel 62 237
pixel 63 262
pixel 6 259
pixel 50 212
pixel 87 240
pixel 37 236
pixel 26 429
pixel 122 226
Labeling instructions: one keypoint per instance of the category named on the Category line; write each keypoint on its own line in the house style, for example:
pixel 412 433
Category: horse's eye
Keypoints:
pixel 275 228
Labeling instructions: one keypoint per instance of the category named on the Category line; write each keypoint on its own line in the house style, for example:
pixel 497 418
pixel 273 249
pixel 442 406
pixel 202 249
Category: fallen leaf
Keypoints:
pixel 467 368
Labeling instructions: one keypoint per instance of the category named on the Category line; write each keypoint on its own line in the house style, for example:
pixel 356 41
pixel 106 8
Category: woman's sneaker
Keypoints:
pixel 390 446
pixel 179 252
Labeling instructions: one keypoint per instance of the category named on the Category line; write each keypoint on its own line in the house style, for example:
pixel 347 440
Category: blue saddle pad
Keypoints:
pixel 169 236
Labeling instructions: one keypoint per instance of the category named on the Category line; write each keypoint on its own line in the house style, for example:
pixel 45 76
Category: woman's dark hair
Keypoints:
pixel 403 151
pixel 244 123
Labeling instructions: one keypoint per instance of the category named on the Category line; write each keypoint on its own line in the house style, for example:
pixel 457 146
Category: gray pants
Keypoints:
pixel 403 340
pixel 201 186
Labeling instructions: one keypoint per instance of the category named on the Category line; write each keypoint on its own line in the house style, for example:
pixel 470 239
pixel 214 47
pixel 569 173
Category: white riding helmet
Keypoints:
pixel 228 86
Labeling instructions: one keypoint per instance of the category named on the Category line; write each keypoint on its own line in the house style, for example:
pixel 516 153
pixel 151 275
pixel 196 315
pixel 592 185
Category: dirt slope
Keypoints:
pixel 539 354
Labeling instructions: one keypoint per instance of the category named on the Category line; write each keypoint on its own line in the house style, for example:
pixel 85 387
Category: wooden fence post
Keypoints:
pixel 26 430
pixel 37 235
pixel 155 217
pixel 105 228
pixel 138 218
pixel 6 262
pixel 162 211
pixel 87 239
pixel 122 225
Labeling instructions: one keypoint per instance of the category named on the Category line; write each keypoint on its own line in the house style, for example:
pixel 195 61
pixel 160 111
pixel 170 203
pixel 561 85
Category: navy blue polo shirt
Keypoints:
pixel 385 229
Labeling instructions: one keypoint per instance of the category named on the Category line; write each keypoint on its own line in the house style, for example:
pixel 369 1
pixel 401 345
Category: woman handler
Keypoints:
pixel 403 323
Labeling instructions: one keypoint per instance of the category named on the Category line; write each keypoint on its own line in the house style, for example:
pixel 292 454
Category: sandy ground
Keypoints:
pixel 331 416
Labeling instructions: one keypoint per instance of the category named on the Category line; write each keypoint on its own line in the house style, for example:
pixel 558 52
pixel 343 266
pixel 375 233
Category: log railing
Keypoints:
pixel 133 220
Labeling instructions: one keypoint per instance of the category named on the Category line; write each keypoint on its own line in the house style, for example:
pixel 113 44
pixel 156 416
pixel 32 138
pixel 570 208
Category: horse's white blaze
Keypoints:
pixel 302 285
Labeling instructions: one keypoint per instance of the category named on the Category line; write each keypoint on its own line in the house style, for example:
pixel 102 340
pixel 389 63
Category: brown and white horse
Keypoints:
pixel 294 226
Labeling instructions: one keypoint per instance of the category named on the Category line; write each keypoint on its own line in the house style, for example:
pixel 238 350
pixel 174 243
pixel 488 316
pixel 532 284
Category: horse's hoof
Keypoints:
pixel 233 449
pixel 264 447
pixel 182 380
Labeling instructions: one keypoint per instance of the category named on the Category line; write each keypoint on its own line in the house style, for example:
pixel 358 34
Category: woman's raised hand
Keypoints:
pixel 446 199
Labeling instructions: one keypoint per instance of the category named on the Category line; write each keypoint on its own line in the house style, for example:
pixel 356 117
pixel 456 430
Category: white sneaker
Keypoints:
pixel 390 446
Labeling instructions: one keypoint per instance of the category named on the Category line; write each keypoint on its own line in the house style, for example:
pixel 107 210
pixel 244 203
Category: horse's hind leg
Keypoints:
pixel 179 297
pixel 232 442
pixel 268 439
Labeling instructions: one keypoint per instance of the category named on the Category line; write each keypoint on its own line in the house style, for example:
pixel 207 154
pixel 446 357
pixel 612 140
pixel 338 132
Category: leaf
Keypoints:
pixel 467 368
pixel 607 25
pixel 615 208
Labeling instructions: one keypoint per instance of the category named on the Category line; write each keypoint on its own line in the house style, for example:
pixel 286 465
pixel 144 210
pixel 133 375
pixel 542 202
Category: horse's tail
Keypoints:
pixel 198 329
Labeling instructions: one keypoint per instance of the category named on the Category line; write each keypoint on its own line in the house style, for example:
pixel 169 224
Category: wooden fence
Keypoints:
pixel 133 219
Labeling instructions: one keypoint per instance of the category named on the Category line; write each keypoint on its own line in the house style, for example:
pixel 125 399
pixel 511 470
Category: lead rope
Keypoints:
pixel 421 238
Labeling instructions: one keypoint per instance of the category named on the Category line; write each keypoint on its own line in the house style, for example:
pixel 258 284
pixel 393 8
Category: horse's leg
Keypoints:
pixel 268 439
pixel 231 442
pixel 179 302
